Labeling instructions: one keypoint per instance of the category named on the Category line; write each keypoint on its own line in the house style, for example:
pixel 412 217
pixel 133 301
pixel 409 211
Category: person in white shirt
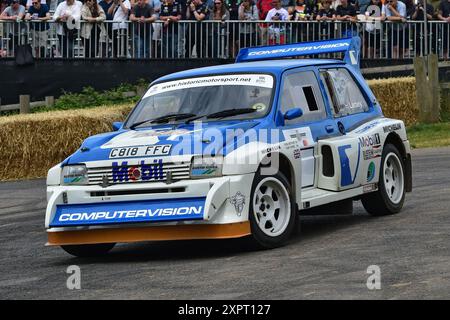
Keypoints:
pixel 68 14
pixel 277 30
pixel 120 10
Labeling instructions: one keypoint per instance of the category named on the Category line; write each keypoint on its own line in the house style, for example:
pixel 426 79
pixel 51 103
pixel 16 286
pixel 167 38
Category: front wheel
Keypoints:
pixel 88 250
pixel 390 196
pixel 273 217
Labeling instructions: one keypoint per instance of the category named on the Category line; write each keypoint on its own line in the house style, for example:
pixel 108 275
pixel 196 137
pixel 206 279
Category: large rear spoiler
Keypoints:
pixel 350 46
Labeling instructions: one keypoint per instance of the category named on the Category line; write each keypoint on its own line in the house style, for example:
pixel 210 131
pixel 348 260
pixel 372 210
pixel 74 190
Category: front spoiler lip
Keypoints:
pixel 149 233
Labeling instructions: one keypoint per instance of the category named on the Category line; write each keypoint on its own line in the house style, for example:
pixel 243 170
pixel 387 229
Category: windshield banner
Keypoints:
pixel 258 80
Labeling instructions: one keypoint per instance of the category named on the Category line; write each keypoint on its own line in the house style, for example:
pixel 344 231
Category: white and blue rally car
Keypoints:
pixel 232 151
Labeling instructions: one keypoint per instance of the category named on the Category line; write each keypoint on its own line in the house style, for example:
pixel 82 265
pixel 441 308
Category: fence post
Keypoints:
pixel 427 88
pixel 49 101
pixel 24 103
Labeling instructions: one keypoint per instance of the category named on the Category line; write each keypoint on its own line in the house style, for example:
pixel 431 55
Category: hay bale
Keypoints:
pixel 31 144
pixel 397 97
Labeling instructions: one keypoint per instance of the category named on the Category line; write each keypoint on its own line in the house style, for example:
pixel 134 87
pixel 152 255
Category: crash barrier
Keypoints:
pixel 216 39
pixel 31 144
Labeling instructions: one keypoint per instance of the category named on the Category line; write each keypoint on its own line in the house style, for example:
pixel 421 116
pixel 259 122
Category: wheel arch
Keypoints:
pixel 394 139
pixel 286 168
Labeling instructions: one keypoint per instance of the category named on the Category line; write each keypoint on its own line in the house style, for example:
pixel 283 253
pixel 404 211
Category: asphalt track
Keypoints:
pixel 328 259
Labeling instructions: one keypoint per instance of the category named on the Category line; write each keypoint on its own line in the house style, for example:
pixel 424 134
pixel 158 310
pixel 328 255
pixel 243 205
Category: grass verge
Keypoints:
pixel 429 135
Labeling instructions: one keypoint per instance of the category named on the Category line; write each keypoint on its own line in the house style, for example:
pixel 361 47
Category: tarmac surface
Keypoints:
pixel 328 259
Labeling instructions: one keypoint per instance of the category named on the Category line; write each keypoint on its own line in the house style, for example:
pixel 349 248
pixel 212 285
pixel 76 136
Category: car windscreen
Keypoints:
pixel 206 96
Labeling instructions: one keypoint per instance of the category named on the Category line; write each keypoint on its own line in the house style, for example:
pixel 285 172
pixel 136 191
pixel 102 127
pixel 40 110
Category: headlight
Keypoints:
pixel 206 167
pixel 76 174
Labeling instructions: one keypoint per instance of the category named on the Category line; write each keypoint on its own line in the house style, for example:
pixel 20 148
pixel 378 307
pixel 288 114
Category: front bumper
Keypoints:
pixel 221 218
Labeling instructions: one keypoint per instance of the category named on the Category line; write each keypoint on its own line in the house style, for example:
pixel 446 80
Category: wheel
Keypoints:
pixel 273 217
pixel 390 196
pixel 89 250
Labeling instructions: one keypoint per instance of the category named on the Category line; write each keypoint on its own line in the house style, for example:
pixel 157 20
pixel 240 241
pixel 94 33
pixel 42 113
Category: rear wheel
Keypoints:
pixel 89 250
pixel 390 196
pixel 273 217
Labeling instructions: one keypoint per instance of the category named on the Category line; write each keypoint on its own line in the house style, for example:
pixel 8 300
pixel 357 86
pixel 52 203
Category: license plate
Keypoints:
pixel 142 151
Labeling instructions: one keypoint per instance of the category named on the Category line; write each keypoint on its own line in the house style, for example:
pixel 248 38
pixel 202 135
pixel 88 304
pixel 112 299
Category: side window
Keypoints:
pixel 301 90
pixel 343 93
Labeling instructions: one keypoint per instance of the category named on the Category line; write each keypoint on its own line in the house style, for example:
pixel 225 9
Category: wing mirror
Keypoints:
pixel 293 113
pixel 117 125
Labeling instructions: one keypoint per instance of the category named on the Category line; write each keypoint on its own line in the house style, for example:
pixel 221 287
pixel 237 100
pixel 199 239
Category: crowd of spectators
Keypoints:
pixel 138 26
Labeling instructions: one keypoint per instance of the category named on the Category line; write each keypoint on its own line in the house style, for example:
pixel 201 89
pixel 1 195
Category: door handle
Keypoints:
pixel 329 128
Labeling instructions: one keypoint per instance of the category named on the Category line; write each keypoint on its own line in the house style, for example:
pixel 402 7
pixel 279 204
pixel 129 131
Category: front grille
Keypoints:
pixel 98 175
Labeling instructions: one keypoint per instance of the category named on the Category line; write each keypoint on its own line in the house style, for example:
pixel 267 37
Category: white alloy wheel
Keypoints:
pixel 393 178
pixel 271 206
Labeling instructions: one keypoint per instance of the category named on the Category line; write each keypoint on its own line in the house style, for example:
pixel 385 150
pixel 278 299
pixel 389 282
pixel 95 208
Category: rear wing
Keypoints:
pixel 349 46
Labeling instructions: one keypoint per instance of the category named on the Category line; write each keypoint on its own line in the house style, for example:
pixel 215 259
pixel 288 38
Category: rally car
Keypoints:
pixel 238 150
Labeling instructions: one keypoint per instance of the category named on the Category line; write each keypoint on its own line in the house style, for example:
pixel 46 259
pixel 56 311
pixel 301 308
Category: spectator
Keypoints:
pixel 68 14
pixel 264 6
pixel 142 15
pixel 170 14
pixel 444 15
pixel 14 12
pixel 276 30
pixel 301 12
pixel 216 30
pixel 326 16
pixel 418 15
pixel 119 10
pixel 234 28
pixel 93 30
pixel 372 32
pixel 197 11
pixel 29 3
pixel 395 11
pixel 346 13
pixel 106 5
pixel 39 30
pixel 182 30
pixel 248 12
pixel 286 4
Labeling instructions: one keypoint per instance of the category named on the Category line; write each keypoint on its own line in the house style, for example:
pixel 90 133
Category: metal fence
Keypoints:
pixel 215 39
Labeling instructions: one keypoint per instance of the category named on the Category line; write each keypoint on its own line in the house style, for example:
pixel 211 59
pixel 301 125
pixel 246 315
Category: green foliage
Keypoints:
pixel 89 97
pixel 429 135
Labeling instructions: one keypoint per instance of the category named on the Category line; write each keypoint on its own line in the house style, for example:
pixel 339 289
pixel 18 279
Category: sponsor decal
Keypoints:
pixel 303 135
pixel 300 49
pixel 346 173
pixel 297 154
pixel 129 212
pixel 370 141
pixel 372 153
pixel 371 172
pixel 238 201
pixel 392 127
pixel 142 151
pixel 142 172
pixel 370 187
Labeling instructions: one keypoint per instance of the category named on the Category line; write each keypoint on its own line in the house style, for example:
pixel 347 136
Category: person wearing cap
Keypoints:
pixel 39 14
pixel 14 12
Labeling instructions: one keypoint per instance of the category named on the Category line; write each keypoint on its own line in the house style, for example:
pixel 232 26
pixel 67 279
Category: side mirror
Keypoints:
pixel 293 113
pixel 117 125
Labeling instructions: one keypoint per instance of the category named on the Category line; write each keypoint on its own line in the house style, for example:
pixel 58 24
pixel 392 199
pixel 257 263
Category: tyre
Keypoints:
pixel 273 216
pixel 390 196
pixel 89 250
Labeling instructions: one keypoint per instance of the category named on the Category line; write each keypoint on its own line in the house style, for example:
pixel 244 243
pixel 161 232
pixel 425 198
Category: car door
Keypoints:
pixel 300 89
pixel 350 108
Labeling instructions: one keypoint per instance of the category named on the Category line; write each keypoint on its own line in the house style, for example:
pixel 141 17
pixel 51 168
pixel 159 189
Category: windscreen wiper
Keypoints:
pixel 224 113
pixel 165 118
